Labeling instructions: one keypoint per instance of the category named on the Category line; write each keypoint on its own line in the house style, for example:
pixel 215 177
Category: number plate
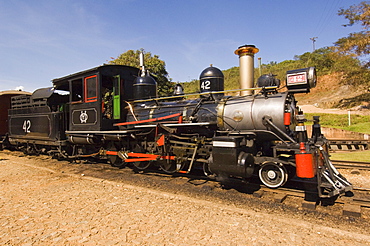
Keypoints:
pixel 298 78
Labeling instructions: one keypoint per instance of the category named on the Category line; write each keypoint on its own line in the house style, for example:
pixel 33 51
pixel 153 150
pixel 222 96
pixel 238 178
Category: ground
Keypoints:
pixel 309 108
pixel 43 205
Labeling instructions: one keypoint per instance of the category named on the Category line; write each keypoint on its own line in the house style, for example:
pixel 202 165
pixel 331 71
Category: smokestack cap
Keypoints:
pixel 247 45
pixel 247 49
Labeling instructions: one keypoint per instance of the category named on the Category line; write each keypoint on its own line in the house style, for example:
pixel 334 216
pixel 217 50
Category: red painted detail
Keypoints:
pixel 110 152
pixel 168 157
pixel 160 141
pixel 148 120
pixel 287 119
pixel 139 159
pixel 95 97
pixel 141 156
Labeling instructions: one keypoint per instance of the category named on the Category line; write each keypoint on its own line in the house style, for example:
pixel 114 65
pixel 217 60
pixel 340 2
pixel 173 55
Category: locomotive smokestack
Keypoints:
pixel 246 67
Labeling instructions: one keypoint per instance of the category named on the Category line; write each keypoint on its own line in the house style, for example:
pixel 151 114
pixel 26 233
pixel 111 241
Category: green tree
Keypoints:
pixel 153 64
pixel 321 58
pixel 327 61
pixel 358 43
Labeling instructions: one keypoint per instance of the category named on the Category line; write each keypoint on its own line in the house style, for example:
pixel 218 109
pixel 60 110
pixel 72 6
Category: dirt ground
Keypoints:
pixel 47 206
pixel 308 108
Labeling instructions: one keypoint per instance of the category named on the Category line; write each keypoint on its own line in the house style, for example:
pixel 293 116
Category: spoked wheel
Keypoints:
pixel 273 175
pixel 168 166
pixel 115 160
pixel 142 165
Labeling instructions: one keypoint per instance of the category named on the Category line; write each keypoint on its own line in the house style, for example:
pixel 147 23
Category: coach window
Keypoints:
pixel 91 88
pixel 76 90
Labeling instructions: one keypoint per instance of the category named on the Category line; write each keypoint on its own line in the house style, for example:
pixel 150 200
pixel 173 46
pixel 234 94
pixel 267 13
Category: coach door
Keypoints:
pixel 117 97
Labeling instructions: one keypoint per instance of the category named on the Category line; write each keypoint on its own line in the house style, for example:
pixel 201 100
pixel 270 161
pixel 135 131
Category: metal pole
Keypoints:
pixel 349 117
pixel 313 42
pixel 260 65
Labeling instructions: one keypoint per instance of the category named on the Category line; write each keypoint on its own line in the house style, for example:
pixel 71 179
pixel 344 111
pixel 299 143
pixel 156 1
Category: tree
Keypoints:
pixel 153 64
pixel 321 58
pixel 356 44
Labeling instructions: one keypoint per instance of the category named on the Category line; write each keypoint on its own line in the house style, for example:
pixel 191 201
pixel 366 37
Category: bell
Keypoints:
pixel 178 90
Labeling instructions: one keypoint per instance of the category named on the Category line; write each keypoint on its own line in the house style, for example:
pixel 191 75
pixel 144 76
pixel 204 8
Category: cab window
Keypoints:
pixel 76 90
pixel 91 88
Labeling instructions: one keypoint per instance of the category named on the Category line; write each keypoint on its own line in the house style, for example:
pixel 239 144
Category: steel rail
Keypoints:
pixel 352 164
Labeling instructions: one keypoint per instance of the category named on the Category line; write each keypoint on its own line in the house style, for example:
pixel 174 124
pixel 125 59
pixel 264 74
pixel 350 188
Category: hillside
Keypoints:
pixel 331 92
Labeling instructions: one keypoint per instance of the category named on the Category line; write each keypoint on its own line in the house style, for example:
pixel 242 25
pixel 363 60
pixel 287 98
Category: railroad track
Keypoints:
pixel 351 206
pixel 193 185
pixel 348 144
pixel 352 164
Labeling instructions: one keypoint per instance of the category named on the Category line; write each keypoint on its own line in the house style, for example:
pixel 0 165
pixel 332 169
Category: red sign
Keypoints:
pixel 297 78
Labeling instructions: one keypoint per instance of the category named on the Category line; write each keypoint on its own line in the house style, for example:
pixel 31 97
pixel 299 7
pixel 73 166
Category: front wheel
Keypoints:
pixel 273 175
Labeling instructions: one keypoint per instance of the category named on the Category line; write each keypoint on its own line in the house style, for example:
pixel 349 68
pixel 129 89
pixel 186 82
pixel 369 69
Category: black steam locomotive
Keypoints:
pixel 112 112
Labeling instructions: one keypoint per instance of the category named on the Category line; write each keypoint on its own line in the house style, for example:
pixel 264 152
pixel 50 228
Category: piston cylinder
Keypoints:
pixel 228 157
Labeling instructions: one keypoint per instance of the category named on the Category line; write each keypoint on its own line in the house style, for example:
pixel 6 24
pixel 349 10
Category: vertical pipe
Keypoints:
pixel 349 117
pixel 142 66
pixel 246 67
pixel 260 66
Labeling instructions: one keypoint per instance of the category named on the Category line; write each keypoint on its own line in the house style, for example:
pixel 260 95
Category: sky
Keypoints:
pixel 41 40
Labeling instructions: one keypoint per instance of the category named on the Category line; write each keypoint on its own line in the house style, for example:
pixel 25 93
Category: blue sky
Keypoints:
pixel 45 39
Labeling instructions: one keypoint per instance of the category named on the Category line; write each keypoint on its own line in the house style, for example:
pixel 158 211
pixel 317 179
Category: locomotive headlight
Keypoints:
pixel 238 116
pixel 301 80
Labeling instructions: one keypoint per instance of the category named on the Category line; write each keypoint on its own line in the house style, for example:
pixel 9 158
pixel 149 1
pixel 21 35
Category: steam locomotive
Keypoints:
pixel 112 112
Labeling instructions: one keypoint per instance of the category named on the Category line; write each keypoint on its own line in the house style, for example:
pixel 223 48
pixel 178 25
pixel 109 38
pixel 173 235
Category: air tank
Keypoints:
pixel 267 80
pixel 212 79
